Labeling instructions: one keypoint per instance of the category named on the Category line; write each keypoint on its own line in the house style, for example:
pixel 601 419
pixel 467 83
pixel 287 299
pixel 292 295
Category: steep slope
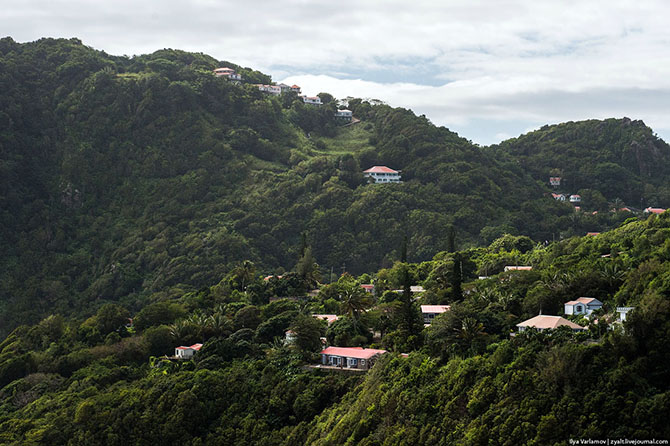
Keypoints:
pixel 615 159
pixel 139 179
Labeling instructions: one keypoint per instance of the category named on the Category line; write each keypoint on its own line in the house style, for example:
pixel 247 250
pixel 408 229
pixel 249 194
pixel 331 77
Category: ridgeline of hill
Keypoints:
pixel 136 180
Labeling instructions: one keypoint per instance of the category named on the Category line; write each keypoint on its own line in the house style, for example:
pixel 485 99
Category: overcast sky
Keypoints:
pixel 489 70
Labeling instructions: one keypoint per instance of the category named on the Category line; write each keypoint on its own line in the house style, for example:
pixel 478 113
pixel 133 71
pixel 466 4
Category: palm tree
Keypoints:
pixel 354 300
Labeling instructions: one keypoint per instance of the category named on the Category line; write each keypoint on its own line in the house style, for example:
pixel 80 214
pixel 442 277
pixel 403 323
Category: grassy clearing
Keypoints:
pixel 350 139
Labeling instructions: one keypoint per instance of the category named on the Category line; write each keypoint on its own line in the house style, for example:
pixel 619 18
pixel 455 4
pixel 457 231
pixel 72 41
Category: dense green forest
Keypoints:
pixel 136 180
pixel 465 381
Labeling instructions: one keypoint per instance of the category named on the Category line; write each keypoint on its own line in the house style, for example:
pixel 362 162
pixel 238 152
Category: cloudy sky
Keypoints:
pixel 488 69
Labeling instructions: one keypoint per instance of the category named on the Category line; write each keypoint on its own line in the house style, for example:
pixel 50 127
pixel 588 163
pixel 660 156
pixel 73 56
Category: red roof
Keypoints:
pixel 353 352
pixel 195 347
pixel 380 169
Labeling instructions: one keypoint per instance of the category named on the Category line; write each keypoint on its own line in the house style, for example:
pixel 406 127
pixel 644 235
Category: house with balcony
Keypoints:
pixel 555 181
pixel 344 115
pixel 350 357
pixel 382 174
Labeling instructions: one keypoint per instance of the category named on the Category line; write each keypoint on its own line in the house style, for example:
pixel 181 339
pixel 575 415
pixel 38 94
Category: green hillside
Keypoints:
pixel 465 380
pixel 136 180
pixel 612 161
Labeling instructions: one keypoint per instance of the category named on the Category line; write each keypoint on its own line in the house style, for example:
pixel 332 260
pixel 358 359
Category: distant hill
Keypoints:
pixel 618 158
pixel 139 179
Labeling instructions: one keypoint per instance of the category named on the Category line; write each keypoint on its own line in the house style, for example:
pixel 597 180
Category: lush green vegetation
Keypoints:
pixel 135 180
pixel 465 381
pixel 143 200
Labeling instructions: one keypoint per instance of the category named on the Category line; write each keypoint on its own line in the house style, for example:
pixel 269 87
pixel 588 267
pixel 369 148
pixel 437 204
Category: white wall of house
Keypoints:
pixel 384 177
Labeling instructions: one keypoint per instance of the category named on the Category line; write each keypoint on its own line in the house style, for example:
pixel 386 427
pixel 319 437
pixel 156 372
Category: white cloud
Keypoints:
pixel 457 62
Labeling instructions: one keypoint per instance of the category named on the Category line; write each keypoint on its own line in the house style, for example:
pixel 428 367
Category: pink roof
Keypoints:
pixel 330 318
pixel 435 308
pixel 195 347
pixel 593 233
pixel 367 286
pixel 654 210
pixel 294 86
pixel 353 352
pixel 542 322
pixel 380 169
pixel 581 300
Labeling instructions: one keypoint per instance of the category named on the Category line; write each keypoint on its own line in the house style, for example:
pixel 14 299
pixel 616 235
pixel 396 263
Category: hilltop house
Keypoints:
pixel 583 305
pixel 295 89
pixel 555 181
pixel 559 197
pixel 344 115
pixel 313 100
pixel 270 89
pixel 229 73
pixel 350 357
pixel 183 352
pixel 544 322
pixel 383 174
pixel 429 312
pixel 574 199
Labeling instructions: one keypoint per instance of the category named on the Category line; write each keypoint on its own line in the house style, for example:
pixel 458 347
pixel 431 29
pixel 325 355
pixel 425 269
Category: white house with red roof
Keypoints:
pixel 368 287
pixel 184 352
pixel 545 322
pixel 583 305
pixel 574 199
pixel 555 181
pixel 350 357
pixel 383 174
pixel 430 312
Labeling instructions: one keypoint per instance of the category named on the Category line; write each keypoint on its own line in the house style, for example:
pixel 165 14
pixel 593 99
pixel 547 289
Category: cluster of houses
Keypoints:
pixel 581 306
pixel 576 199
pixel 343 115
